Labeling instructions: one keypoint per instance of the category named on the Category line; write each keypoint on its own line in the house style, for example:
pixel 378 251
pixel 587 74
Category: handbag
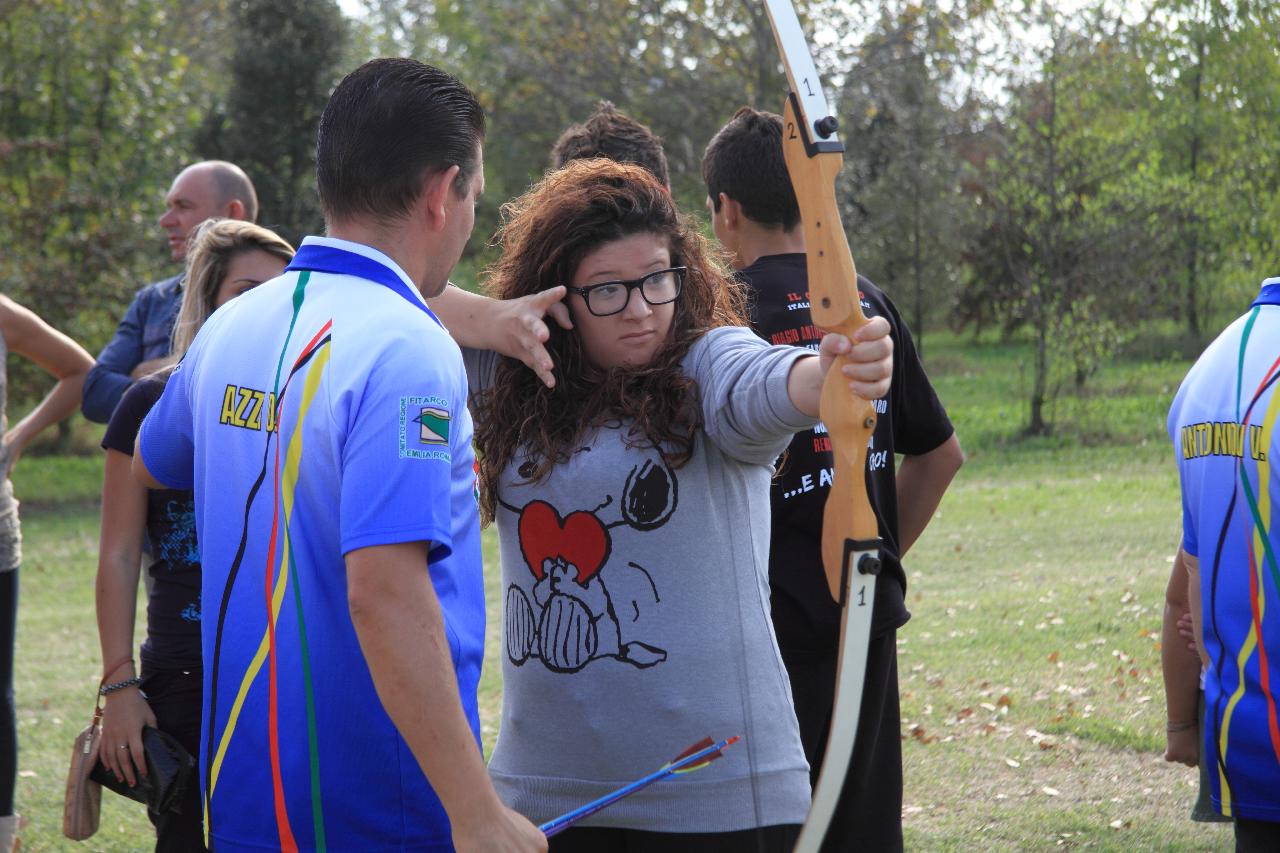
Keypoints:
pixel 170 769
pixel 82 803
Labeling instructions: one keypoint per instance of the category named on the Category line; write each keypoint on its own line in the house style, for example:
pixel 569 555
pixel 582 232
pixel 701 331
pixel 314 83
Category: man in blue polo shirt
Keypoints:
pixel 322 422
pixel 1223 426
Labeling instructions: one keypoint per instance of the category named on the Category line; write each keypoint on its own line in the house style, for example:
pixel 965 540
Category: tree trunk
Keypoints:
pixel 1038 426
pixel 1050 285
pixel 63 444
pixel 917 277
pixel 1193 241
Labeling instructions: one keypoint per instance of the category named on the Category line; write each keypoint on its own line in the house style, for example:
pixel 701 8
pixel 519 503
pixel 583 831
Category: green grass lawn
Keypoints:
pixel 1032 706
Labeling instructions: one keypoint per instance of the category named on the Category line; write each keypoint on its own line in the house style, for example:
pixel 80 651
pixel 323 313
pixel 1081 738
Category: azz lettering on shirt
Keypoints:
pixel 244 408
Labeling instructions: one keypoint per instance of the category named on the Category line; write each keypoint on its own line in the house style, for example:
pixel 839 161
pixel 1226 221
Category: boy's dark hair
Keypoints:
pixel 388 125
pixel 744 161
pixel 614 136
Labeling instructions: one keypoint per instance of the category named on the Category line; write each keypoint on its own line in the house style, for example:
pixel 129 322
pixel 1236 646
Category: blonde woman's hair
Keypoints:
pixel 212 247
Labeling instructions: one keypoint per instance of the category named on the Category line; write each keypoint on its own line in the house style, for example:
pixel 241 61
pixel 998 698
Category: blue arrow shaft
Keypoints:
pixel 568 819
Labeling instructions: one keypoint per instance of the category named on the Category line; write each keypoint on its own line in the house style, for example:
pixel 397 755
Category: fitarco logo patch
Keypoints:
pixel 424 428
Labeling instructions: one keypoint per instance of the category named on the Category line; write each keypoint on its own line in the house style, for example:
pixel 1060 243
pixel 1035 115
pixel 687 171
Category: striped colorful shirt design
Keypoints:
pixel 1223 427
pixel 321 412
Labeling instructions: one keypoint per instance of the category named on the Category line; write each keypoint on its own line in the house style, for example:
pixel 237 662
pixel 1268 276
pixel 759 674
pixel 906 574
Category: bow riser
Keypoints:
pixel 835 307
pixel 833 279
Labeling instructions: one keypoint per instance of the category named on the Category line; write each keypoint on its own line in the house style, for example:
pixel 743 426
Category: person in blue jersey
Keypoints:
pixel 227 257
pixel 321 420
pixel 1222 424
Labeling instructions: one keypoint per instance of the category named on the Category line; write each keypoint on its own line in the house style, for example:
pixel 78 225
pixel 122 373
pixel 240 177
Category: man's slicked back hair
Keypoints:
pixel 387 126
pixel 745 162
pixel 614 136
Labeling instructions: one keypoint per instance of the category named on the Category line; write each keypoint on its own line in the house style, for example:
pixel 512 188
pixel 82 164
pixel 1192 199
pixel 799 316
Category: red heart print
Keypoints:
pixel 579 539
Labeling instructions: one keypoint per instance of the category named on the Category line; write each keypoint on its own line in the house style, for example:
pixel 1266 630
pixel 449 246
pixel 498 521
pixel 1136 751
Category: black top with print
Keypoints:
pixel 910 420
pixel 173 610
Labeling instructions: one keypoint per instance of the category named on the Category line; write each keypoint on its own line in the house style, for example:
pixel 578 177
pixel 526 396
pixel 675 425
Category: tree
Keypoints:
pixel 1069 205
pixel 96 102
pixel 285 64
pixel 681 66
pixel 1214 66
pixel 904 210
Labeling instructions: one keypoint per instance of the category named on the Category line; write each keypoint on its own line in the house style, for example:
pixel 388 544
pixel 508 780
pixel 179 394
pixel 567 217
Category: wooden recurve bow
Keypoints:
pixel 850 531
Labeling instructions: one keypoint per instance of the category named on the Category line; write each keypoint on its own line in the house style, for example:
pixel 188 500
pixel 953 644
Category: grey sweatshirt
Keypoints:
pixel 636 614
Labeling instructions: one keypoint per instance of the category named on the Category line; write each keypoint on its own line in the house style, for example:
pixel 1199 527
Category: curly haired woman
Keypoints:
pixel 631 494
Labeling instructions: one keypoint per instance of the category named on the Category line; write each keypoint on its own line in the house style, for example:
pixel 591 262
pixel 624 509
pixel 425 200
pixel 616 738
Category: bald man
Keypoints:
pixel 213 188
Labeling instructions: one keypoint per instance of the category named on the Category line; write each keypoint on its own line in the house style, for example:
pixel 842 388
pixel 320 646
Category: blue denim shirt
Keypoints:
pixel 142 335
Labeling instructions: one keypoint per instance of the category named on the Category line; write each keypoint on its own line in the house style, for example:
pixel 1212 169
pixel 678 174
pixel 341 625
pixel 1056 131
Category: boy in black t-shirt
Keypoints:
pixel 755 215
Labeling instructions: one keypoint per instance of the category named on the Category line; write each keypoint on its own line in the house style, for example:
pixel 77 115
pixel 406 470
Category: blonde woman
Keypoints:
pixel 226 258
pixel 25 334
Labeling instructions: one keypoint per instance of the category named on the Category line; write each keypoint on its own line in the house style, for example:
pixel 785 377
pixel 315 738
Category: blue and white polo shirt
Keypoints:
pixel 1223 426
pixel 319 413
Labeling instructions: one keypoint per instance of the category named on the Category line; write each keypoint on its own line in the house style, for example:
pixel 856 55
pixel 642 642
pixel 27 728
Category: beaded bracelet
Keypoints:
pixel 119 685
pixel 1174 728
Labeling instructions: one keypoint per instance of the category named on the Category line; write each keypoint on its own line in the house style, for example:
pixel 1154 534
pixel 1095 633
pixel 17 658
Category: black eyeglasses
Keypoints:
pixel 610 297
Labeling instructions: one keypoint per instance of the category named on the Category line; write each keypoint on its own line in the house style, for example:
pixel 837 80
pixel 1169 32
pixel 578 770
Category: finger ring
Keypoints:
pixel 124 746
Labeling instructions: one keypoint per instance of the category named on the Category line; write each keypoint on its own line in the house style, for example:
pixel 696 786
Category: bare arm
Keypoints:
pixel 401 630
pixel 1181 670
pixel 29 336
pixel 513 327
pixel 922 481
pixel 1195 603
pixel 124 515
pixel 869 370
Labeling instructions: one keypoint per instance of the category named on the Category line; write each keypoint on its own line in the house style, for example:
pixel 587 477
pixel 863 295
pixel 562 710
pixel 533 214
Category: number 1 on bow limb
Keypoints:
pixel 850 531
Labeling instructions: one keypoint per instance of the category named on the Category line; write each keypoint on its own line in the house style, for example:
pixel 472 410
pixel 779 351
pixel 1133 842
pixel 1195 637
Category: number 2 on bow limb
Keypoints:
pixel 850 531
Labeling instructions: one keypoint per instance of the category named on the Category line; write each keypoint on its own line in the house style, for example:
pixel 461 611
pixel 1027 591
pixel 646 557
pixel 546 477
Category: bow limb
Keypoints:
pixel 850 531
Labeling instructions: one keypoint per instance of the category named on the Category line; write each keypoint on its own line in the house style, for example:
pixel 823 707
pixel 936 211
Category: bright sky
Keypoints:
pixel 1132 9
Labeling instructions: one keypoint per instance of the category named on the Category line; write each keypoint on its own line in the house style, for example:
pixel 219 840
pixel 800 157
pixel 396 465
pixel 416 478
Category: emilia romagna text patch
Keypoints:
pixel 424 428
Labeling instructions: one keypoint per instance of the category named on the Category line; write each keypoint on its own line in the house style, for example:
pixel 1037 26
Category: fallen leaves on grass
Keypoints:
pixel 918 733
pixel 1041 739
